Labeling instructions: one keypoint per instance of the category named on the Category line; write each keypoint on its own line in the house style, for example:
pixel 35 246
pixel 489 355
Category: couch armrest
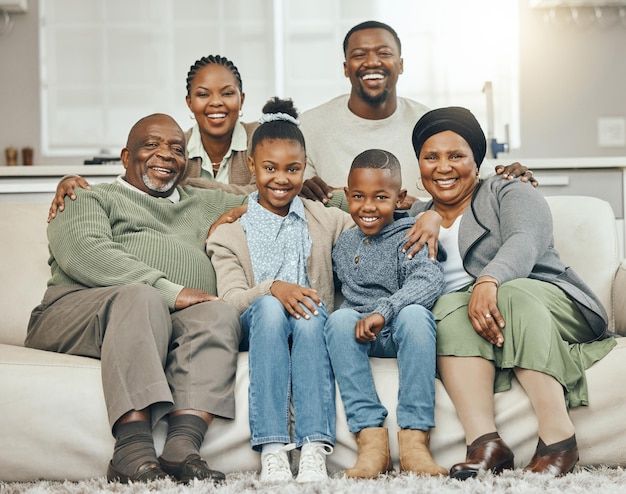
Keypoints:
pixel 619 298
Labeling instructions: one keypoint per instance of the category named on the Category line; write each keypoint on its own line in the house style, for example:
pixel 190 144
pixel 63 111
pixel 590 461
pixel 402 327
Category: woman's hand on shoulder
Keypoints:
pixel 66 187
pixel 483 311
pixel 425 231
pixel 515 170
pixel 228 217
pixel 296 299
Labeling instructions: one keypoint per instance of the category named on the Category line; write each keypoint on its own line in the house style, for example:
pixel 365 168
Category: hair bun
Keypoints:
pixel 277 105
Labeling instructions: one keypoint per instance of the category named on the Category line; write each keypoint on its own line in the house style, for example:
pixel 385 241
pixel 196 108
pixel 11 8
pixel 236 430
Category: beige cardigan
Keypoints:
pixel 228 249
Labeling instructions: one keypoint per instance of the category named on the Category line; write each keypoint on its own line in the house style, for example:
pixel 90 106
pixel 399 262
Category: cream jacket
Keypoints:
pixel 228 249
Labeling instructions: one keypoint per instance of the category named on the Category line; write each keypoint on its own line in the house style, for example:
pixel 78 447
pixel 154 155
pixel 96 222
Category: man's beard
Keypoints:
pixel 373 100
pixel 166 187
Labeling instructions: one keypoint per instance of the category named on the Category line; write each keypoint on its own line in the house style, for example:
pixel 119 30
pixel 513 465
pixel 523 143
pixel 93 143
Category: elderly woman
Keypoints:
pixel 511 306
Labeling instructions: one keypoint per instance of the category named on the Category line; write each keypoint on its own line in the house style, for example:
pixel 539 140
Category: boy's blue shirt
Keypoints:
pixel 376 276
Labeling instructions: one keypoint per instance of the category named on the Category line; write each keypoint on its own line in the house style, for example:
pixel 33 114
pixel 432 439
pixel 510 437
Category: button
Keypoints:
pixel 357 259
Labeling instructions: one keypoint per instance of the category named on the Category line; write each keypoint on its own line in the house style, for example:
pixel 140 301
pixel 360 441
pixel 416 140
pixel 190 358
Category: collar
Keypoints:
pixel 174 197
pixel 295 208
pixel 195 149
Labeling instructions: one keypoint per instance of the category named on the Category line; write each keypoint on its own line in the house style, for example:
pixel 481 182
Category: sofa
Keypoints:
pixel 53 422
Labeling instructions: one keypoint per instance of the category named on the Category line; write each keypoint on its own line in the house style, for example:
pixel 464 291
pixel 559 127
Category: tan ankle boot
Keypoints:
pixel 374 458
pixel 414 453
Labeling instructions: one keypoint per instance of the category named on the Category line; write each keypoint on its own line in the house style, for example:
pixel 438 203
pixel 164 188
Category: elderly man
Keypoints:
pixel 132 286
pixel 371 116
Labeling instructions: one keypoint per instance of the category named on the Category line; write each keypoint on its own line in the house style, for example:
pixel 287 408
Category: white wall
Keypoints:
pixel 569 77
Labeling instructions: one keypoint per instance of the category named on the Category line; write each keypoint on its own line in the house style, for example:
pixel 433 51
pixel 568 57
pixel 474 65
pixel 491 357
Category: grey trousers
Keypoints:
pixel 149 356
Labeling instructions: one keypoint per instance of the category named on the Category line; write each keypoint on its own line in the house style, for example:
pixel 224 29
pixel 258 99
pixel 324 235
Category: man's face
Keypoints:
pixel 154 156
pixel 373 64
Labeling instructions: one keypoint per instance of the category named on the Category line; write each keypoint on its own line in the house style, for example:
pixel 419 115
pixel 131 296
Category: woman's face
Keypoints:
pixel 215 100
pixel 278 166
pixel 449 172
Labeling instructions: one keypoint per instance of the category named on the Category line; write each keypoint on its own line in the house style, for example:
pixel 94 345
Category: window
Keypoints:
pixel 106 63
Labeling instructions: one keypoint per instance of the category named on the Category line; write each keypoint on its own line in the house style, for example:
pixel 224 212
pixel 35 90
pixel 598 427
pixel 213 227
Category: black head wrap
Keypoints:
pixel 456 119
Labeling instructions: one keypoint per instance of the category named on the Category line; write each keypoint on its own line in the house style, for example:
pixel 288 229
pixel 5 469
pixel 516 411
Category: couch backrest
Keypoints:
pixel 584 227
pixel 585 234
pixel 25 271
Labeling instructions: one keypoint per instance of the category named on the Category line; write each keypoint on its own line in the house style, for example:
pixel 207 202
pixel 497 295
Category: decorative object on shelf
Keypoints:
pixel 27 156
pixel 8 7
pixel 10 155
pixel 582 13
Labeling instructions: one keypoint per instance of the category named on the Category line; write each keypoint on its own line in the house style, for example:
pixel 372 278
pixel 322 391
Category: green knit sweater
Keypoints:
pixel 112 235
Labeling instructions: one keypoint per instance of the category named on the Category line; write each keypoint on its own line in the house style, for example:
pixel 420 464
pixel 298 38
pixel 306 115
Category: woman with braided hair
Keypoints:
pixel 218 142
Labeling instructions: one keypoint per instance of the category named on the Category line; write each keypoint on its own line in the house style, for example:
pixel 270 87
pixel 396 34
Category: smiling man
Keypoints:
pixel 132 286
pixel 371 116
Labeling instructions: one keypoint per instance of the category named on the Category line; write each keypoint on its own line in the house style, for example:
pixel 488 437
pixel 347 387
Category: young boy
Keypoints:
pixel 386 314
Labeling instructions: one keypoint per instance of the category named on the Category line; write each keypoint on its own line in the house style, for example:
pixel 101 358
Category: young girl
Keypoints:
pixel 274 265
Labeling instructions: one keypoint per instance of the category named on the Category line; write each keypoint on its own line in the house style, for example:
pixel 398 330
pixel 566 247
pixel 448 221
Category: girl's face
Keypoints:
pixel 278 165
pixel 215 100
pixel 449 172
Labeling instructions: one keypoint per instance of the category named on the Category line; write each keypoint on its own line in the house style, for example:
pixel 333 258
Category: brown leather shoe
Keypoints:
pixel 145 472
pixel 488 452
pixel 556 459
pixel 192 467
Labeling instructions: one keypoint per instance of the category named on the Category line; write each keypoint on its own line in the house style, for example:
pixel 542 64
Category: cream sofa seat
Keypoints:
pixel 53 420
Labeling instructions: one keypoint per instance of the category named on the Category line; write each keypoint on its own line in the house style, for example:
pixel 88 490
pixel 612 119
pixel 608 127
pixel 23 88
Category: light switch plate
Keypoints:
pixel 611 132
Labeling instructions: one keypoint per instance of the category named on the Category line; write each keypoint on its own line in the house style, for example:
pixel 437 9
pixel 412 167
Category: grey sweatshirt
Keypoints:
pixel 376 276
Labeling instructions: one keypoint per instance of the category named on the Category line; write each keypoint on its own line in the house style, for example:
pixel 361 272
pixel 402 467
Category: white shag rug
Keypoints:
pixel 582 481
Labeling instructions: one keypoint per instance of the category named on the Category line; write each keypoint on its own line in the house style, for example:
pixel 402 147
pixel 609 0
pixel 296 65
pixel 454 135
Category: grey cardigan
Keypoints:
pixel 507 233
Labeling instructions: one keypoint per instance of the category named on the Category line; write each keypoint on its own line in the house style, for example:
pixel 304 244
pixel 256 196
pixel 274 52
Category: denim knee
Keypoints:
pixel 266 316
pixel 415 322
pixel 340 325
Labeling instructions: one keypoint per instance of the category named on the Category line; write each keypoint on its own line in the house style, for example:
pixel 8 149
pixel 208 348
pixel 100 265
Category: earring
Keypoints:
pixel 240 113
pixel 192 117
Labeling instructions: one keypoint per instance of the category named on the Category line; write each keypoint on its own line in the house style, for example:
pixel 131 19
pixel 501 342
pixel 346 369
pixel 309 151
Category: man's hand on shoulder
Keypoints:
pixel 192 296
pixel 316 189
pixel 228 217
pixel 515 170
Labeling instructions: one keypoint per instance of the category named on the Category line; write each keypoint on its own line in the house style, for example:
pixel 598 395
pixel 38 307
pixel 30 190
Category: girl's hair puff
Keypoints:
pixel 280 127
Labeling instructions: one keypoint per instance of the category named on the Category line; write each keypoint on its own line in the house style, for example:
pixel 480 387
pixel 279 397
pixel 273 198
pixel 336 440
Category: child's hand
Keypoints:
pixel 367 328
pixel 295 298
pixel 424 231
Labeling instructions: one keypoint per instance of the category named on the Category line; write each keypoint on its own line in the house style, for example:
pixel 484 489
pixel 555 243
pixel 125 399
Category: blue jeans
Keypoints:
pixel 412 341
pixel 278 375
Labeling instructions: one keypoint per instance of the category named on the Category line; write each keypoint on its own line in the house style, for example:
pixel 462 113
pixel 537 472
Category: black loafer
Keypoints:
pixel 146 472
pixel 192 467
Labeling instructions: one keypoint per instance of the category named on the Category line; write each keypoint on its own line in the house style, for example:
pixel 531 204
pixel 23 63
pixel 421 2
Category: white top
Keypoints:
pixel 335 136
pixel 454 274
pixel 195 149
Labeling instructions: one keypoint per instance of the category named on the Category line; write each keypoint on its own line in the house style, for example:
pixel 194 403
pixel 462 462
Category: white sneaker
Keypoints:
pixel 275 466
pixel 313 463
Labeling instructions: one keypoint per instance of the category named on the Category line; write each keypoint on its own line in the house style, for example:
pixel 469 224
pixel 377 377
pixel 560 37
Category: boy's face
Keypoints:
pixel 373 195
pixel 278 165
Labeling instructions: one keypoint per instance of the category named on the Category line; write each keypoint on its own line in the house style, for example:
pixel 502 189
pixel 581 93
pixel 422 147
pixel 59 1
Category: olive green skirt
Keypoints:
pixel 544 331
